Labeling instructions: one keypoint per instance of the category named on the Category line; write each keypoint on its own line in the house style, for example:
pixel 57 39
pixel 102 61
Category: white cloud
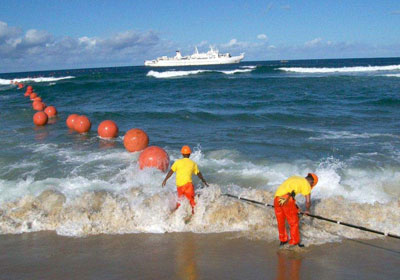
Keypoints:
pixel 7 32
pixel 41 50
pixel 286 7
pixel 231 43
pixel 235 44
pixel 87 42
pixel 397 12
pixel 313 42
pixel 262 37
pixel 35 37
pixel 202 44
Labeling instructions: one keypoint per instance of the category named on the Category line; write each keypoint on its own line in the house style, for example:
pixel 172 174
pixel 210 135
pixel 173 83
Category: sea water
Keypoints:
pixel 250 125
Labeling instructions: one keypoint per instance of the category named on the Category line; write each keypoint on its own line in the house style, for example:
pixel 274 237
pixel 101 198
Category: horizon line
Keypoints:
pixel 246 61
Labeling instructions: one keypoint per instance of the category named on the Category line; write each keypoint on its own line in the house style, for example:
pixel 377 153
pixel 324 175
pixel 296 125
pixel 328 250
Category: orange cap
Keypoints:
pixel 186 150
pixel 315 179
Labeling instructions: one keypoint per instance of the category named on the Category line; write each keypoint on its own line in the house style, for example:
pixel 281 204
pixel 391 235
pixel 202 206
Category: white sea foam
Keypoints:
pixel 174 74
pixel 340 69
pixel 35 80
pixel 330 135
pixel 107 193
pixel 135 210
pixel 230 72
pixel 392 75
pixel 5 82
pixel 249 67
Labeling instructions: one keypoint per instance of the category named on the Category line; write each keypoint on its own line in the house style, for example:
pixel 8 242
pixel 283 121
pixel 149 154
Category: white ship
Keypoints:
pixel 209 58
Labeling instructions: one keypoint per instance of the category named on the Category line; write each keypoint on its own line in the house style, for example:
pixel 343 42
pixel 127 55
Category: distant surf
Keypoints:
pixel 249 67
pixel 174 74
pixel 340 70
pixel 35 80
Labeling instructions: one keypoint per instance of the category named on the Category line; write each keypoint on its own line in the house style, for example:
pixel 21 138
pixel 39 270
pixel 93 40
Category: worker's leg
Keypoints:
pixel 291 213
pixel 189 193
pixel 180 194
pixel 280 218
pixel 187 190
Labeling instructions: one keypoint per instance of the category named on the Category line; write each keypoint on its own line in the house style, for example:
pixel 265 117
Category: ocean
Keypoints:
pixel 250 125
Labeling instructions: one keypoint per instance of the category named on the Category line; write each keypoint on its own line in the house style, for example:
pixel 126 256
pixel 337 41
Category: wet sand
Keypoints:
pixel 45 255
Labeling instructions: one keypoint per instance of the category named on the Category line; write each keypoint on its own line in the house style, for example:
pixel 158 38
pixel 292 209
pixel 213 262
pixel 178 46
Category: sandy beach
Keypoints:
pixel 45 255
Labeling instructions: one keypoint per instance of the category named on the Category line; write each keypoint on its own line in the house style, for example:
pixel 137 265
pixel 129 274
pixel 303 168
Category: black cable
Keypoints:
pixel 320 218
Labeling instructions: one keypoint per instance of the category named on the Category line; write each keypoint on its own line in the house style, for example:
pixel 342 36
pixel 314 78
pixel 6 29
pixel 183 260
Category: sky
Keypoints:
pixel 57 34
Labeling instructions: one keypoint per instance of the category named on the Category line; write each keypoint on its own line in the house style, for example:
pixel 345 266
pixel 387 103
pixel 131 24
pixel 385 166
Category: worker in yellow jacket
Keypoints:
pixel 286 208
pixel 185 168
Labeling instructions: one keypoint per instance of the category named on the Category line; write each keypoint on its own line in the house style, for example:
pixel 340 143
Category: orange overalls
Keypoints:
pixel 187 190
pixel 289 212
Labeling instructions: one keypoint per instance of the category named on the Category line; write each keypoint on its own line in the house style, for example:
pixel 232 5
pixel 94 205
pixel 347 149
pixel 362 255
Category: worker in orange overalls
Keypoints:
pixel 286 208
pixel 184 169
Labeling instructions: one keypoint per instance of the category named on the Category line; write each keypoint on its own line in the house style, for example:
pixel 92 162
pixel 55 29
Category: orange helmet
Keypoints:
pixel 186 150
pixel 315 179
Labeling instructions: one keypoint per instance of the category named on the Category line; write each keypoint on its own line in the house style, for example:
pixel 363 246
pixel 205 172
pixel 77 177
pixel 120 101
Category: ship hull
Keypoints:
pixel 193 62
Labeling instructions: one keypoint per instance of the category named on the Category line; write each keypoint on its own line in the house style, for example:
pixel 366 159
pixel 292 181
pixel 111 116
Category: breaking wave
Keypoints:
pixel 249 67
pixel 135 210
pixel 35 80
pixel 120 198
pixel 341 69
pixel 174 74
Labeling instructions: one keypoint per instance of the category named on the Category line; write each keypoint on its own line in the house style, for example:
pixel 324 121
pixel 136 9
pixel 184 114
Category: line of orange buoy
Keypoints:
pixel 41 117
pixel 107 129
pixel 135 140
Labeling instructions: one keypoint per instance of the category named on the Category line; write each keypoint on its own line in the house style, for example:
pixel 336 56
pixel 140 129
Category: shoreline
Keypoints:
pixel 46 255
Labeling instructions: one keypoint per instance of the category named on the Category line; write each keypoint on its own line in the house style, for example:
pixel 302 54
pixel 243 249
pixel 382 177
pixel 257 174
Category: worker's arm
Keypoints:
pixel 308 204
pixel 202 178
pixel 167 177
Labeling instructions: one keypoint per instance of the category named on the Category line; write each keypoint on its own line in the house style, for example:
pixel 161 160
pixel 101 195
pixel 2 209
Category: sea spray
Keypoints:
pixel 176 73
pixel 341 69
pixel 102 212
pixel 34 80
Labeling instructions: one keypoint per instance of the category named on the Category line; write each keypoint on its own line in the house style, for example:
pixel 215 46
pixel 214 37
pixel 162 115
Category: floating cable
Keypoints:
pixel 320 218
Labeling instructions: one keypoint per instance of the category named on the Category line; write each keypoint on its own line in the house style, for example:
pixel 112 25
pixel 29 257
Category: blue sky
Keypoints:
pixel 39 35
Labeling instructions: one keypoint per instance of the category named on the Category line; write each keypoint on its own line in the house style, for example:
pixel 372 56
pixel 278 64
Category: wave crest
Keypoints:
pixel 35 80
pixel 340 69
pixel 102 212
pixel 174 74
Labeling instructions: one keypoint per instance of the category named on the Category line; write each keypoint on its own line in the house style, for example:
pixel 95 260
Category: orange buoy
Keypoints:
pixel 136 140
pixel 37 99
pixel 27 93
pixel 38 106
pixel 51 111
pixel 40 118
pixel 29 89
pixel 82 124
pixel 154 156
pixel 107 129
pixel 71 121
pixel 20 86
pixel 33 95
